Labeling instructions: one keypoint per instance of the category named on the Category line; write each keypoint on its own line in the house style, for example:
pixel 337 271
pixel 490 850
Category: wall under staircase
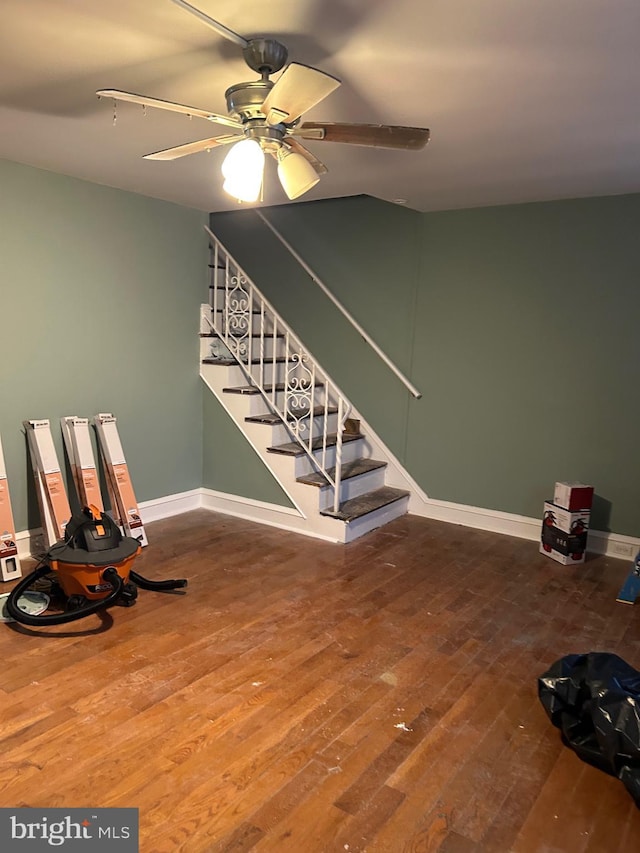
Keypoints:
pixel 339 476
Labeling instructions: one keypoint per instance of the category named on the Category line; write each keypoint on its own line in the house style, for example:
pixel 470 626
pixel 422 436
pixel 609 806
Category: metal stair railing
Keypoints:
pixel 245 321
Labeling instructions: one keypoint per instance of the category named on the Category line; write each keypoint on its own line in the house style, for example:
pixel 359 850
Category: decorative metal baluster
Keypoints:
pixel 227 279
pixel 286 373
pixel 312 400
pixel 323 435
pixel 273 357
pixel 212 279
pixel 239 317
pixel 325 418
pixel 338 474
pixel 298 390
pixel 249 340
pixel 216 283
pixel 262 343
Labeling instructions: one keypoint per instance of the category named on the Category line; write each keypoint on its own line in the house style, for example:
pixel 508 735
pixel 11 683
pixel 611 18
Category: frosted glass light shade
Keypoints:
pixel 296 174
pixel 242 169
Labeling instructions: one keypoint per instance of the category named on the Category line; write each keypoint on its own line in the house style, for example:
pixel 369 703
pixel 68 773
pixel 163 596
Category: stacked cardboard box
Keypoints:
pixel 565 523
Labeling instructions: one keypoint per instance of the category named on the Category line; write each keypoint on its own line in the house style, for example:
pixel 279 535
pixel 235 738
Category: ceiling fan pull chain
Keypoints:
pixel 115 112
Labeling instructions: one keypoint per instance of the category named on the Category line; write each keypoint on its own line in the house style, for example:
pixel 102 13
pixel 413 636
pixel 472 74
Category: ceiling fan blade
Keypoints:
pixel 299 88
pixel 159 104
pixel 192 147
pixel 217 26
pixel 373 135
pixel 299 148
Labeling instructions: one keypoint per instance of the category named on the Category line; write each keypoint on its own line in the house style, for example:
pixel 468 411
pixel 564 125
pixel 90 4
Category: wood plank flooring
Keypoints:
pixel 310 697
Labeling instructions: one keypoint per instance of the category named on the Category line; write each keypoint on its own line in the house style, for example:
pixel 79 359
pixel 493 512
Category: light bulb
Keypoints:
pixel 242 169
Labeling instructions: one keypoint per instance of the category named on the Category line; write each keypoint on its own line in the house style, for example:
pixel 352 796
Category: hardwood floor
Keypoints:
pixel 310 697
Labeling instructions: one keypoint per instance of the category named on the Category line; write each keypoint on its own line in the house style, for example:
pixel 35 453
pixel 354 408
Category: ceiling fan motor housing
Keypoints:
pixel 266 56
pixel 245 100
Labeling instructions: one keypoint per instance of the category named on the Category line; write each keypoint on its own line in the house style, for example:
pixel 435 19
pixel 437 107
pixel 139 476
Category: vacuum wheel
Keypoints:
pixel 75 602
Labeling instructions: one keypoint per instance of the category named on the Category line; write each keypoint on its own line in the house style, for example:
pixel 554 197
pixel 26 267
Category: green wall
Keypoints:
pixel 531 313
pixel 517 323
pixel 100 294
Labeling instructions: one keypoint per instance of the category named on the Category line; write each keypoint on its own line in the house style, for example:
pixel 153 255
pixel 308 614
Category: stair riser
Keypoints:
pixel 351 488
pixel 269 344
pixel 376 519
pixel 258 405
pixel 264 374
pixel 220 321
pixel 351 451
pixel 269 372
pixel 232 376
pixel 280 434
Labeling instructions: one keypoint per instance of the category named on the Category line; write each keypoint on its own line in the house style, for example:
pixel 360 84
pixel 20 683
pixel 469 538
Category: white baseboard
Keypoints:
pixel 284 517
pixel 599 542
pixel 613 545
pixel 169 505
pixel 619 546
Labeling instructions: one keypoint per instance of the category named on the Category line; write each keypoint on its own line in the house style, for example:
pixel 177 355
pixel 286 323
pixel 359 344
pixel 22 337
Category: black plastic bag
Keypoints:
pixel 594 699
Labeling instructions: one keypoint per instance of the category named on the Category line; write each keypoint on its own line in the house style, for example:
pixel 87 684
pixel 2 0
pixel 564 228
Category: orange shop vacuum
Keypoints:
pixel 88 571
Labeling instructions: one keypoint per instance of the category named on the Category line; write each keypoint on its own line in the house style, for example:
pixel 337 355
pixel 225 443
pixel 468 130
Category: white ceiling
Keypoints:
pixel 525 99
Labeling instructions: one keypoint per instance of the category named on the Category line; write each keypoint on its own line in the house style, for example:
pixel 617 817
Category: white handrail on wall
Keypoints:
pixel 315 278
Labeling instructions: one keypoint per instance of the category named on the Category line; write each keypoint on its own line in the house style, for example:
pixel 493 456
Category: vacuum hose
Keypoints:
pixel 159 586
pixel 110 575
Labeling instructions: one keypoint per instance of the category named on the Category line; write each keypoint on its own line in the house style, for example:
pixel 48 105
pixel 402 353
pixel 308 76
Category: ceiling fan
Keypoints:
pixel 264 118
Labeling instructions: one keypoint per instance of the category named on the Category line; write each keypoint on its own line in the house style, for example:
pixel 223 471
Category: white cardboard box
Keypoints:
pixel 573 496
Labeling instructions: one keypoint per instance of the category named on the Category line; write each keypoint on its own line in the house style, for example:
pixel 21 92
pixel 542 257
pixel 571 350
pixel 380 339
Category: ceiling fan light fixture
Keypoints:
pixel 242 170
pixel 296 174
pixel 265 117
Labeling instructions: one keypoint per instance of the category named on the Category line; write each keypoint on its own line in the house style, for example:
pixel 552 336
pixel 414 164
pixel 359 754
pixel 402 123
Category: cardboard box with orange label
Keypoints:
pixel 9 560
pixel 118 472
pixel 77 440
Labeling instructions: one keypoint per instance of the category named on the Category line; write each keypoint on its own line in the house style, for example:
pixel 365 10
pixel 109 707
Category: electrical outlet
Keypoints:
pixel 621 549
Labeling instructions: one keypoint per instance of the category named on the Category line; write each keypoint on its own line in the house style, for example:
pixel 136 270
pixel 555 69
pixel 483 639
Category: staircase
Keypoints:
pixel 340 478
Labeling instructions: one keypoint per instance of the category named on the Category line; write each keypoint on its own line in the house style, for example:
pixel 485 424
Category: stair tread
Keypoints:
pixel 231 361
pixel 255 335
pixel 224 286
pixel 369 502
pixel 292 448
pixel 272 418
pixel 227 362
pixel 253 389
pixel 349 470
pixel 255 311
